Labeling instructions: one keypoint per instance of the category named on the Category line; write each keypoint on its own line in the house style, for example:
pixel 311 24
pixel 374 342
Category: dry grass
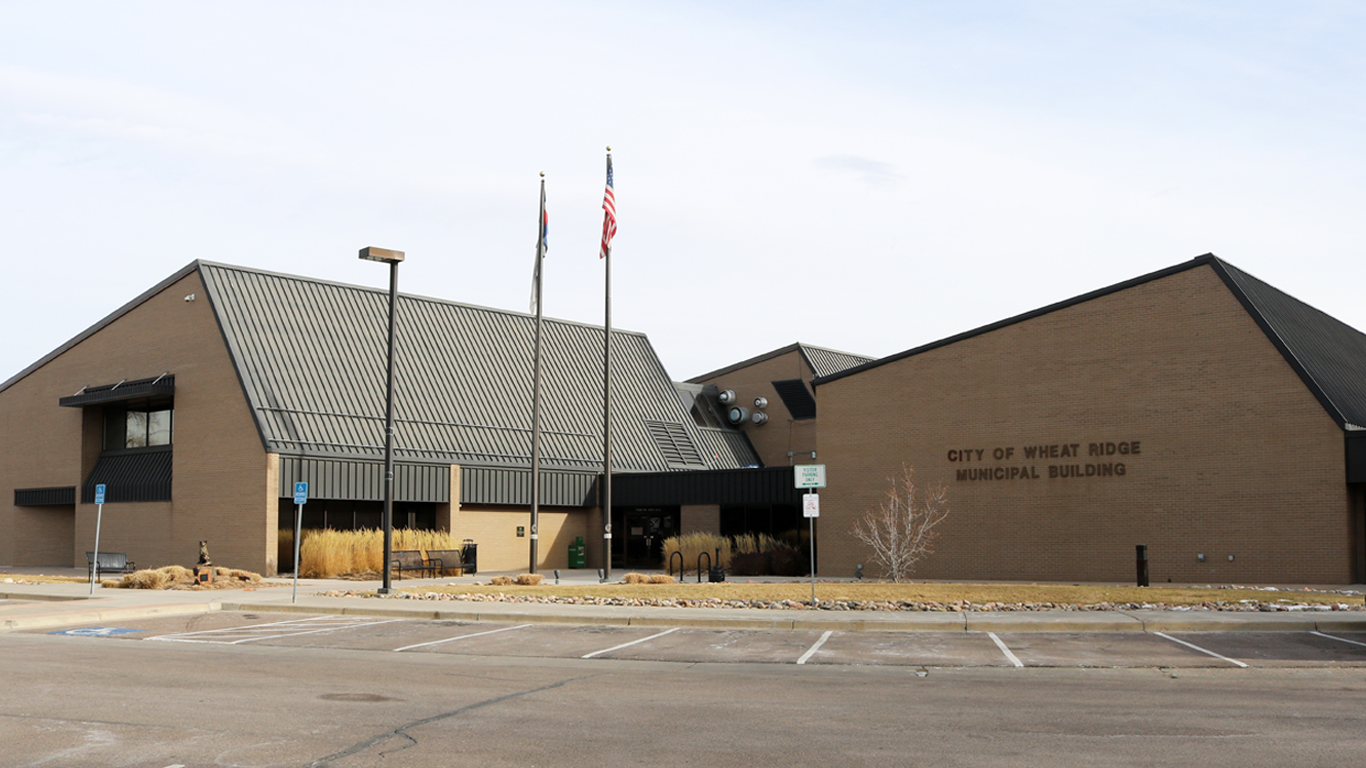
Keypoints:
pixel 326 553
pixel 502 581
pixel 693 545
pixel 38 578
pixel 528 579
pixel 179 577
pixel 659 578
pixel 940 593
pixel 635 578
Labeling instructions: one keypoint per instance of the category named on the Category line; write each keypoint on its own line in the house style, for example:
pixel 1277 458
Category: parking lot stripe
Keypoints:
pixel 271 631
pixel 1202 650
pixel 812 650
pixel 627 645
pixel 1339 639
pixel 252 627
pixel 1013 659
pixel 459 637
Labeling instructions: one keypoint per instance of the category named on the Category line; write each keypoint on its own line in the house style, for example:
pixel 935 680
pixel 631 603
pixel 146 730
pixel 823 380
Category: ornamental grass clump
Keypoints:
pixel 692 545
pixel 528 579
pixel 326 553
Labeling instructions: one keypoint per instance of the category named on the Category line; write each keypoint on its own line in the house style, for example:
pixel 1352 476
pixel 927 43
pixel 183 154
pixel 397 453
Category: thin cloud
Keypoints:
pixel 874 173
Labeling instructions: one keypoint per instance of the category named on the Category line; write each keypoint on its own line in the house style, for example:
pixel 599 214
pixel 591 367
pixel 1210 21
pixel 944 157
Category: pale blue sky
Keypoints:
pixel 863 176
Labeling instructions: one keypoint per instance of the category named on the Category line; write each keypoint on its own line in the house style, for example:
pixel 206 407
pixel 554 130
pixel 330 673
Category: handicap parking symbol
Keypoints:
pixel 97 631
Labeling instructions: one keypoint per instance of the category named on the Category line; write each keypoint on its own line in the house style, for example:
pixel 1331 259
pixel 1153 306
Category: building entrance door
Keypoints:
pixel 646 529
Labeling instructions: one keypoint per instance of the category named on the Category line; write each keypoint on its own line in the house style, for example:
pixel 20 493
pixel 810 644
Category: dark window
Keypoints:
pixel 797 398
pixel 138 425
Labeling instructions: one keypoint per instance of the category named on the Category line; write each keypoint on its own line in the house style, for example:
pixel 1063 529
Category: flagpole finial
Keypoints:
pixel 543 174
pixel 609 149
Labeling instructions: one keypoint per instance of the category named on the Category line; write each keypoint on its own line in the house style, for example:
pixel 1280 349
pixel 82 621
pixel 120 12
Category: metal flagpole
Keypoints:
pixel 536 388
pixel 608 228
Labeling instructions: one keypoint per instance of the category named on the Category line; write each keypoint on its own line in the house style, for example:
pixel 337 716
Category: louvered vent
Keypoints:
pixel 798 400
pixel 675 445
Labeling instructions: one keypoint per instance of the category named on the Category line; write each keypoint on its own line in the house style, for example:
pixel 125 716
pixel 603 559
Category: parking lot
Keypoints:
pixel 696 645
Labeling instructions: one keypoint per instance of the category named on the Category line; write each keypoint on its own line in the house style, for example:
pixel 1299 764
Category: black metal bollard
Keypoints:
pixel 1142 553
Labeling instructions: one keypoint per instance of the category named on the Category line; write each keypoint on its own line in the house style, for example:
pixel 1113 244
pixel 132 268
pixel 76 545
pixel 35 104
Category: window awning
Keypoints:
pixel 163 385
pixel 141 475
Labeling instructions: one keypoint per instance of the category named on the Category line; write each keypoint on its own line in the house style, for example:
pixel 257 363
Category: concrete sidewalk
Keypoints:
pixel 51 606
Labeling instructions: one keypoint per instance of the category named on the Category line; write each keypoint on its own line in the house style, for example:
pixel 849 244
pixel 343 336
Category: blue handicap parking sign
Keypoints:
pixel 301 493
pixel 99 493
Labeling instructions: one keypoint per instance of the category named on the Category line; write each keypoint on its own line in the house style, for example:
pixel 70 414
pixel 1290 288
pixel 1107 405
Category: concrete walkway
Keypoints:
pixel 44 606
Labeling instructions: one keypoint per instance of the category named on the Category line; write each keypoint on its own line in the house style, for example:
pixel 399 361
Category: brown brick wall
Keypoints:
pixel 1237 457
pixel 494 529
pixel 223 489
pixel 781 434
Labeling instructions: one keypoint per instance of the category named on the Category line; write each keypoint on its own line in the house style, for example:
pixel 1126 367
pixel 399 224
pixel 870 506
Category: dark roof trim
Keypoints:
pixel 797 347
pixel 142 475
pixel 1220 268
pixel 111 317
pixel 1207 258
pixel 163 385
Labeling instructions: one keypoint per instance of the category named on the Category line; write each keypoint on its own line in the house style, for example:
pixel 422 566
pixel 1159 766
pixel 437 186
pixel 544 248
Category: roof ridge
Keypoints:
pixel 410 296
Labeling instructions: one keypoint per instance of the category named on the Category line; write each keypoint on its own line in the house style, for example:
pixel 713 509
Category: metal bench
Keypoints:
pixel 110 562
pixel 448 560
pixel 412 560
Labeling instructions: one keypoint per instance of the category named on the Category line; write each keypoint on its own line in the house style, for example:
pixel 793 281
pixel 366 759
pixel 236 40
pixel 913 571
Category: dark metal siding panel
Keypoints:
pixel 1356 457
pixel 311 357
pixel 45 497
pixel 728 447
pixel 736 486
pixel 490 485
pixel 796 398
pixel 364 480
pixel 138 476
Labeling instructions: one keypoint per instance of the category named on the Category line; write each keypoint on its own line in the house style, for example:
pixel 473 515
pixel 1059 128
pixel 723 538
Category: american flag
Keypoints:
pixel 609 218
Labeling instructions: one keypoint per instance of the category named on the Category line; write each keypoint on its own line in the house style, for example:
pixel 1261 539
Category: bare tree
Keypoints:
pixel 901 528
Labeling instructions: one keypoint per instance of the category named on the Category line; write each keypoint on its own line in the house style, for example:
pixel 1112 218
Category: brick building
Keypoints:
pixel 1195 410
pixel 199 404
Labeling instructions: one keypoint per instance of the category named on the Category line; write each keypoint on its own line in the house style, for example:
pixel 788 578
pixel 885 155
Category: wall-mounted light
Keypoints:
pixel 1201 558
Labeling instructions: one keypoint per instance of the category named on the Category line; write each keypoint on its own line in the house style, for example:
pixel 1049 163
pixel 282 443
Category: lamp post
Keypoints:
pixel 392 258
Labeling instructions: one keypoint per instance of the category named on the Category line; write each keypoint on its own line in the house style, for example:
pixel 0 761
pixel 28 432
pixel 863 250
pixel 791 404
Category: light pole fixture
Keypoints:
pixel 392 258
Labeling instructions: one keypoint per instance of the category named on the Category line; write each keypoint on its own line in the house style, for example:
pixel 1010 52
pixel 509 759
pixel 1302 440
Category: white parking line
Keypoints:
pixel 1339 639
pixel 458 637
pixel 271 631
pixel 812 650
pixel 1202 650
pixel 627 645
pixel 1013 659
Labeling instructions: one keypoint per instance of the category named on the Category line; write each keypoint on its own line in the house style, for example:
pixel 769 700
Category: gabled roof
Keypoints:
pixel 1328 355
pixel 821 361
pixel 311 358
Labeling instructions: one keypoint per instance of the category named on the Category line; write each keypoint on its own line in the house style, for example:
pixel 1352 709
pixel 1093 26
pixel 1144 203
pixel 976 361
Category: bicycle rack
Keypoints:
pixel 699 564
pixel 679 554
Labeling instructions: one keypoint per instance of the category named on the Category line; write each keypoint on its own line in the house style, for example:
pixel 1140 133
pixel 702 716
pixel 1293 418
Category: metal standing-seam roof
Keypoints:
pixel 821 361
pixel 311 358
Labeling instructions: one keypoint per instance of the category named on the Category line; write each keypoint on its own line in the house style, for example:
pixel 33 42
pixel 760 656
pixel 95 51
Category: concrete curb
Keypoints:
pixel 102 616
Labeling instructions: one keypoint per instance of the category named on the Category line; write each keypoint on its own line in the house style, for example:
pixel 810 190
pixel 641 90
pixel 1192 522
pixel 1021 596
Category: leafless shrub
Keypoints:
pixel 900 530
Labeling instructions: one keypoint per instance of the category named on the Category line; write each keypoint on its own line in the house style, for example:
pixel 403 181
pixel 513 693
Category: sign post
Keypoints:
pixel 99 516
pixel 300 499
pixel 810 477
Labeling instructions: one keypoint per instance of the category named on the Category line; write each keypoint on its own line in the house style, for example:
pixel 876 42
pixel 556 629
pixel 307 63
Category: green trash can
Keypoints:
pixel 578 554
